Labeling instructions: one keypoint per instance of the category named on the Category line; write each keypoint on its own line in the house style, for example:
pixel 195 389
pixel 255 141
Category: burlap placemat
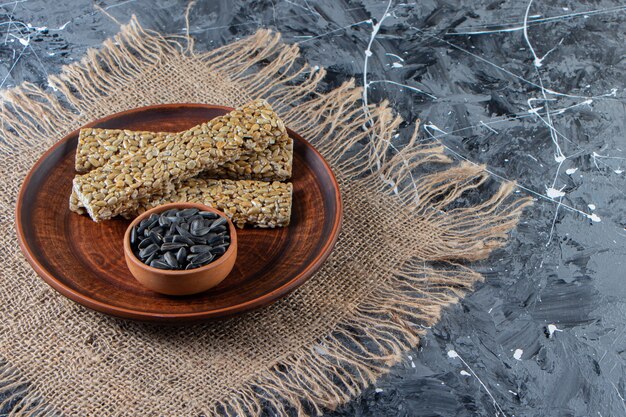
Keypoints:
pixel 395 266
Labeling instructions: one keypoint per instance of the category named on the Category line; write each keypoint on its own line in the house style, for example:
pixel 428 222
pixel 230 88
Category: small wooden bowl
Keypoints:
pixel 181 282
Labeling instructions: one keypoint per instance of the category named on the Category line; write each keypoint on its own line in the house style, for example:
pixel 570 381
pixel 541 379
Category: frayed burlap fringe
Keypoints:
pixel 313 351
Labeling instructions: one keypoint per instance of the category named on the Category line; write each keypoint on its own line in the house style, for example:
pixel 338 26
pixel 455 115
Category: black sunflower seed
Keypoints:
pixel 209 215
pixel 195 217
pixel 200 248
pixel 157 263
pixel 144 224
pixel 146 252
pixel 182 231
pixel 195 225
pixel 170 259
pixel 153 220
pixel 187 212
pixel 151 258
pixel 172 246
pixel 218 229
pixel 219 222
pixel 201 231
pixel 218 250
pixel 133 236
pixel 170 212
pixel 208 261
pixel 198 240
pixel 202 258
pixel 155 237
pixel 214 239
pixel 181 255
pixel 182 239
pixel 144 243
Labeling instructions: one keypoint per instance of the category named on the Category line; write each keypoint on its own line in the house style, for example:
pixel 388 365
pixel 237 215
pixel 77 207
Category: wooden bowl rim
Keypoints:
pixel 118 311
pixel 178 273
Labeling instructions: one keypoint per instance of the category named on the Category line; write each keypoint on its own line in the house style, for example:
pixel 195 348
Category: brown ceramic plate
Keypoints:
pixel 84 260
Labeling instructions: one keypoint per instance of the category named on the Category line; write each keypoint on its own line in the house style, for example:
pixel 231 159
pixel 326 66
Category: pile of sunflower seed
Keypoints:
pixel 180 239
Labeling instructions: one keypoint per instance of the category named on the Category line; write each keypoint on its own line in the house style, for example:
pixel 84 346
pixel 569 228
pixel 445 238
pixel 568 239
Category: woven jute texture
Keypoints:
pixel 408 229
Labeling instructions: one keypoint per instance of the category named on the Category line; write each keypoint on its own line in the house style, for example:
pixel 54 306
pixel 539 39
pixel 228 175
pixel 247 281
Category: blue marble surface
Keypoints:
pixel 534 90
